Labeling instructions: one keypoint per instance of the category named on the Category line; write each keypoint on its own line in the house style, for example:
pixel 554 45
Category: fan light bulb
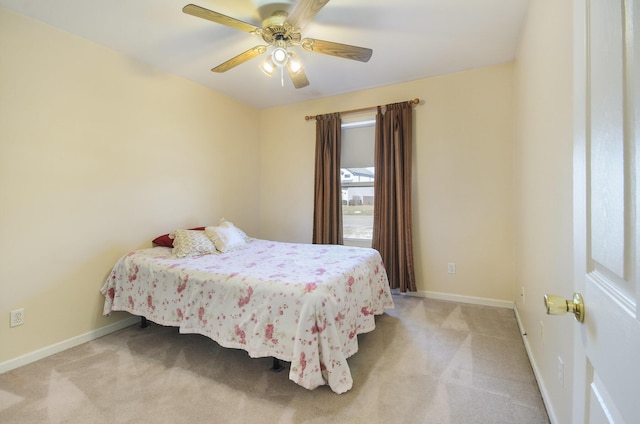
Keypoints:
pixel 268 67
pixel 280 56
pixel 293 64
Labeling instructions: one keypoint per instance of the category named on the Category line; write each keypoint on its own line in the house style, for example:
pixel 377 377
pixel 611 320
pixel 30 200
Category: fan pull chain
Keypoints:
pixel 282 76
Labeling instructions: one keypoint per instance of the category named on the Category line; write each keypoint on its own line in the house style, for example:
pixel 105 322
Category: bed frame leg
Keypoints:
pixel 277 366
pixel 143 322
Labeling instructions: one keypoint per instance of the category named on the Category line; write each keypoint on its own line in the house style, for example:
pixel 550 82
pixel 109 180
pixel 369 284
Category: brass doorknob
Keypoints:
pixel 557 305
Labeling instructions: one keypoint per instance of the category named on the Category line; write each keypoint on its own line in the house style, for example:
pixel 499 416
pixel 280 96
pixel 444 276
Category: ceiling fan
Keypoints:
pixel 281 30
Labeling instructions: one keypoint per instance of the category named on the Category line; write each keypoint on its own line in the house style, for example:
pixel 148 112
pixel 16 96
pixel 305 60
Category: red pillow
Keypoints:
pixel 166 241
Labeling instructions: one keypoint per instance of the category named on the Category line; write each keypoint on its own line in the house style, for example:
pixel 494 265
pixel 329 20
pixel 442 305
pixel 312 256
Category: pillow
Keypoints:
pixel 166 240
pixel 225 223
pixel 188 243
pixel 227 237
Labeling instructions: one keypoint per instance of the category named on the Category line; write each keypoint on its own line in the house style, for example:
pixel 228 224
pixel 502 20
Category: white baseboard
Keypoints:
pixel 103 331
pixel 66 344
pixel 536 370
pixel 459 298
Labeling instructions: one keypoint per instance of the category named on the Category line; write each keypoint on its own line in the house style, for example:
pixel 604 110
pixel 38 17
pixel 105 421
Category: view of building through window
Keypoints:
pixel 357 202
pixel 357 176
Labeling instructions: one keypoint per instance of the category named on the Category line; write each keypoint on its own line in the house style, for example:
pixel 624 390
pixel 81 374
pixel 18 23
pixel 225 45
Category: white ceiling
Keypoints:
pixel 411 39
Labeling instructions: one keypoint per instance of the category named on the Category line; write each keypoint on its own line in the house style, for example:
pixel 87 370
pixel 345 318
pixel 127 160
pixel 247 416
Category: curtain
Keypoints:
pixel 392 226
pixel 327 210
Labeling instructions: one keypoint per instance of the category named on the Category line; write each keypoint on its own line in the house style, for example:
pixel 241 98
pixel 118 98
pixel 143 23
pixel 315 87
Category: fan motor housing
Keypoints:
pixel 276 28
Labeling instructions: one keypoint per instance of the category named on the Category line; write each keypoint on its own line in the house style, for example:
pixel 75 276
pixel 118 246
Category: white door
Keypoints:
pixel 607 230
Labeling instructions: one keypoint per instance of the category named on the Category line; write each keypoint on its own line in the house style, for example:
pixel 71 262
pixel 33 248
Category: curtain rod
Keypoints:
pixel 364 109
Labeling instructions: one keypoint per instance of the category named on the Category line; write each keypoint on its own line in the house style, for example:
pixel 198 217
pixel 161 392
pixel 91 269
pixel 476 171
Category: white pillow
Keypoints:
pixel 225 223
pixel 191 243
pixel 227 237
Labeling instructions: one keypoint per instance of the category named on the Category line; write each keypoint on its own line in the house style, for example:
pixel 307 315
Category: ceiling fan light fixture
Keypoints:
pixel 280 56
pixel 293 63
pixel 268 67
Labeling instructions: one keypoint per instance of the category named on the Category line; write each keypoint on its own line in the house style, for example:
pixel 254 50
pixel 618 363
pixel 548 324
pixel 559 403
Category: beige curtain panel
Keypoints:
pixel 392 227
pixel 327 211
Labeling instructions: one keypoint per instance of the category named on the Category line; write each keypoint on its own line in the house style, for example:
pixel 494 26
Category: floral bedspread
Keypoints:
pixel 300 303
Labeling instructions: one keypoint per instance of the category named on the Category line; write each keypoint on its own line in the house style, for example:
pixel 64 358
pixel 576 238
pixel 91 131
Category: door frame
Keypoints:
pixel 579 198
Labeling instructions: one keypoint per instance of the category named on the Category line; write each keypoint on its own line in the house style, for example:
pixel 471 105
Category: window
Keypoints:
pixel 357 175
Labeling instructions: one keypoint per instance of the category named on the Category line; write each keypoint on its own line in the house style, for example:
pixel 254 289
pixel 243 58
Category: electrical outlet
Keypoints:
pixel 17 317
pixel 451 267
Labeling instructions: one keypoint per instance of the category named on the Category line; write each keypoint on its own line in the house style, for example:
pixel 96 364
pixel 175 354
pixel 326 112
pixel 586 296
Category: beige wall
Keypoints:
pixel 463 197
pixel 99 154
pixel 543 182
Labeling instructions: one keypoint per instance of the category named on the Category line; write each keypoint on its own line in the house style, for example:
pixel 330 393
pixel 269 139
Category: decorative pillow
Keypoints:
pixel 192 243
pixel 166 240
pixel 227 237
pixel 228 224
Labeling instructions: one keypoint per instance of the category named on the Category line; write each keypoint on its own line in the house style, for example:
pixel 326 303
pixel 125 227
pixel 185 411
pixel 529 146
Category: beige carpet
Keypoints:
pixel 428 361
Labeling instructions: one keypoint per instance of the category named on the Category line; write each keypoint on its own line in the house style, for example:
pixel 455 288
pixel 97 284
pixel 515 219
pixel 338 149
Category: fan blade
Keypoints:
pixel 303 11
pixel 299 78
pixel 239 59
pixel 219 18
pixel 336 49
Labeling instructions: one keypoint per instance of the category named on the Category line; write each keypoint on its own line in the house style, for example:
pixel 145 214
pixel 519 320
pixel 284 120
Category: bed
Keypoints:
pixel 300 303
